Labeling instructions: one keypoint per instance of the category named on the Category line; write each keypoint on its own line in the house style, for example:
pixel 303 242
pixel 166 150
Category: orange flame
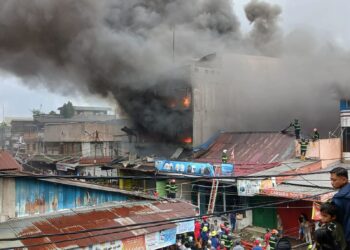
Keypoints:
pixel 186 102
pixel 187 140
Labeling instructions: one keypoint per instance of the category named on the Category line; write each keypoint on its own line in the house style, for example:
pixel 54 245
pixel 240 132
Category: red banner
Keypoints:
pixel 135 243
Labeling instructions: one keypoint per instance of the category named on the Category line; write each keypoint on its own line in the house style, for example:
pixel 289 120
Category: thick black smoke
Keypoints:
pixel 266 34
pixel 125 48
pixel 118 47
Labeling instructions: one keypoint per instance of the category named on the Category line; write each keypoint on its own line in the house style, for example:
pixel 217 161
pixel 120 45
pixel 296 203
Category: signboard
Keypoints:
pixel 115 245
pixel 160 239
pixel 254 187
pixel 184 227
pixel 192 168
pixel 226 169
pixel 135 243
pixel 296 195
pixel 152 241
pixel 167 237
pixel 248 187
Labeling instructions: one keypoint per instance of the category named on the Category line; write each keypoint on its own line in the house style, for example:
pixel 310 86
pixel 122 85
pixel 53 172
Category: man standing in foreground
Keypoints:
pixel 340 181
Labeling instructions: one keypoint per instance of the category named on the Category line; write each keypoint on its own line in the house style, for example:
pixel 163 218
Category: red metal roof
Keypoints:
pixel 252 151
pixel 7 162
pixel 99 218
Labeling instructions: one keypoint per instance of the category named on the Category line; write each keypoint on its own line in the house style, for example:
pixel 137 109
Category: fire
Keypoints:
pixel 186 102
pixel 187 140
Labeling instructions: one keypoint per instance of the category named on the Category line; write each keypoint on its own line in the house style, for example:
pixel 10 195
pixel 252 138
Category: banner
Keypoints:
pixel 152 241
pixel 193 168
pixel 160 239
pixel 316 213
pixel 248 187
pixel 167 237
pixel 185 227
pixel 135 243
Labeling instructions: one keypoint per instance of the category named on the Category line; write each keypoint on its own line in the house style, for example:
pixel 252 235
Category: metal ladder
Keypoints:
pixel 213 192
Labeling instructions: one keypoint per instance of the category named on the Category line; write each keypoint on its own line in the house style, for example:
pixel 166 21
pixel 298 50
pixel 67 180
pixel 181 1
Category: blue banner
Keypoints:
pixel 167 237
pixel 193 168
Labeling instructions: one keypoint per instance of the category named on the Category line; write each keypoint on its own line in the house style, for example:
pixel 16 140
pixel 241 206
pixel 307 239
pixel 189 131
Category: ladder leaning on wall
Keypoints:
pixel 213 192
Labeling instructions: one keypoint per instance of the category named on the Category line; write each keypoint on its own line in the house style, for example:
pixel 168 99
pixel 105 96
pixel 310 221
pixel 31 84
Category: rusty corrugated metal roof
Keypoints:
pixel 106 216
pixel 7 162
pixel 251 151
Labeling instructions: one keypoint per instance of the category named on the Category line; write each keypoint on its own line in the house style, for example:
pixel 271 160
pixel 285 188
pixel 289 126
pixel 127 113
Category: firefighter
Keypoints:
pixel 297 128
pixel 171 189
pixel 273 239
pixel 205 222
pixel 224 157
pixel 303 147
pixel 227 239
pixel 316 135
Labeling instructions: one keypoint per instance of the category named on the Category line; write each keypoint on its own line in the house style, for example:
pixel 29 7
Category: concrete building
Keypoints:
pixel 90 111
pixel 345 128
pixel 85 139
pixel 203 98
pixel 26 136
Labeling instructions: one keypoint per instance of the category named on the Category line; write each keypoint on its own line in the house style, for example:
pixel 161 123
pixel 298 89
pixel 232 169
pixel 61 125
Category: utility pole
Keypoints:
pixel 3 127
pixel 96 139
pixel 174 43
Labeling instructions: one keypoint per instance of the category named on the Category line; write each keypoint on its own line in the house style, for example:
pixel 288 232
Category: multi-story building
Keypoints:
pixel 345 128
pixel 26 136
pixel 85 139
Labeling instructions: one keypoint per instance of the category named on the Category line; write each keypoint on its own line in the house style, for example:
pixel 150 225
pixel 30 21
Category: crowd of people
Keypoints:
pixel 331 233
pixel 210 235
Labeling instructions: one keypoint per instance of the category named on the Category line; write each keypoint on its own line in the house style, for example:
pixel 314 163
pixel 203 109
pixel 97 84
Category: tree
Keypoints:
pixel 67 110
pixel 52 112
pixel 36 112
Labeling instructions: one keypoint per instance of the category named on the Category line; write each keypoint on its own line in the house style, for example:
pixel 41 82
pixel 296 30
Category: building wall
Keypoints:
pixel 290 213
pixel 330 149
pixel 82 132
pixel 345 125
pixel 327 150
pixel 7 198
pixel 246 221
pixel 40 197
pixel 220 103
pixel 184 188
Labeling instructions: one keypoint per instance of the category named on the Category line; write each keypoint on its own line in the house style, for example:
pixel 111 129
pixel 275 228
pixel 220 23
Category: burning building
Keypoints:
pixel 134 51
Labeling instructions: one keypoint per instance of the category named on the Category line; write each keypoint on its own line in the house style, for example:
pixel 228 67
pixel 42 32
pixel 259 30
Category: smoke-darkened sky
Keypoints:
pixel 328 27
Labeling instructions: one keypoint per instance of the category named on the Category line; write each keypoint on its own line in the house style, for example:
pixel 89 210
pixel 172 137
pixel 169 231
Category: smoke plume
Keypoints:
pixel 266 32
pixel 136 51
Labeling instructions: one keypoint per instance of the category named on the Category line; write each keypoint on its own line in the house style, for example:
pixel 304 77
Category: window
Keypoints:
pixel 346 140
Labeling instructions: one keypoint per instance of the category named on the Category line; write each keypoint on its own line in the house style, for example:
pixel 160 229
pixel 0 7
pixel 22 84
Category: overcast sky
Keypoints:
pixel 328 20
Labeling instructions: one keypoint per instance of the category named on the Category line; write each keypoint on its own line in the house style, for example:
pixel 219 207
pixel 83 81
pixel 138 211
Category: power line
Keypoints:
pixel 160 176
